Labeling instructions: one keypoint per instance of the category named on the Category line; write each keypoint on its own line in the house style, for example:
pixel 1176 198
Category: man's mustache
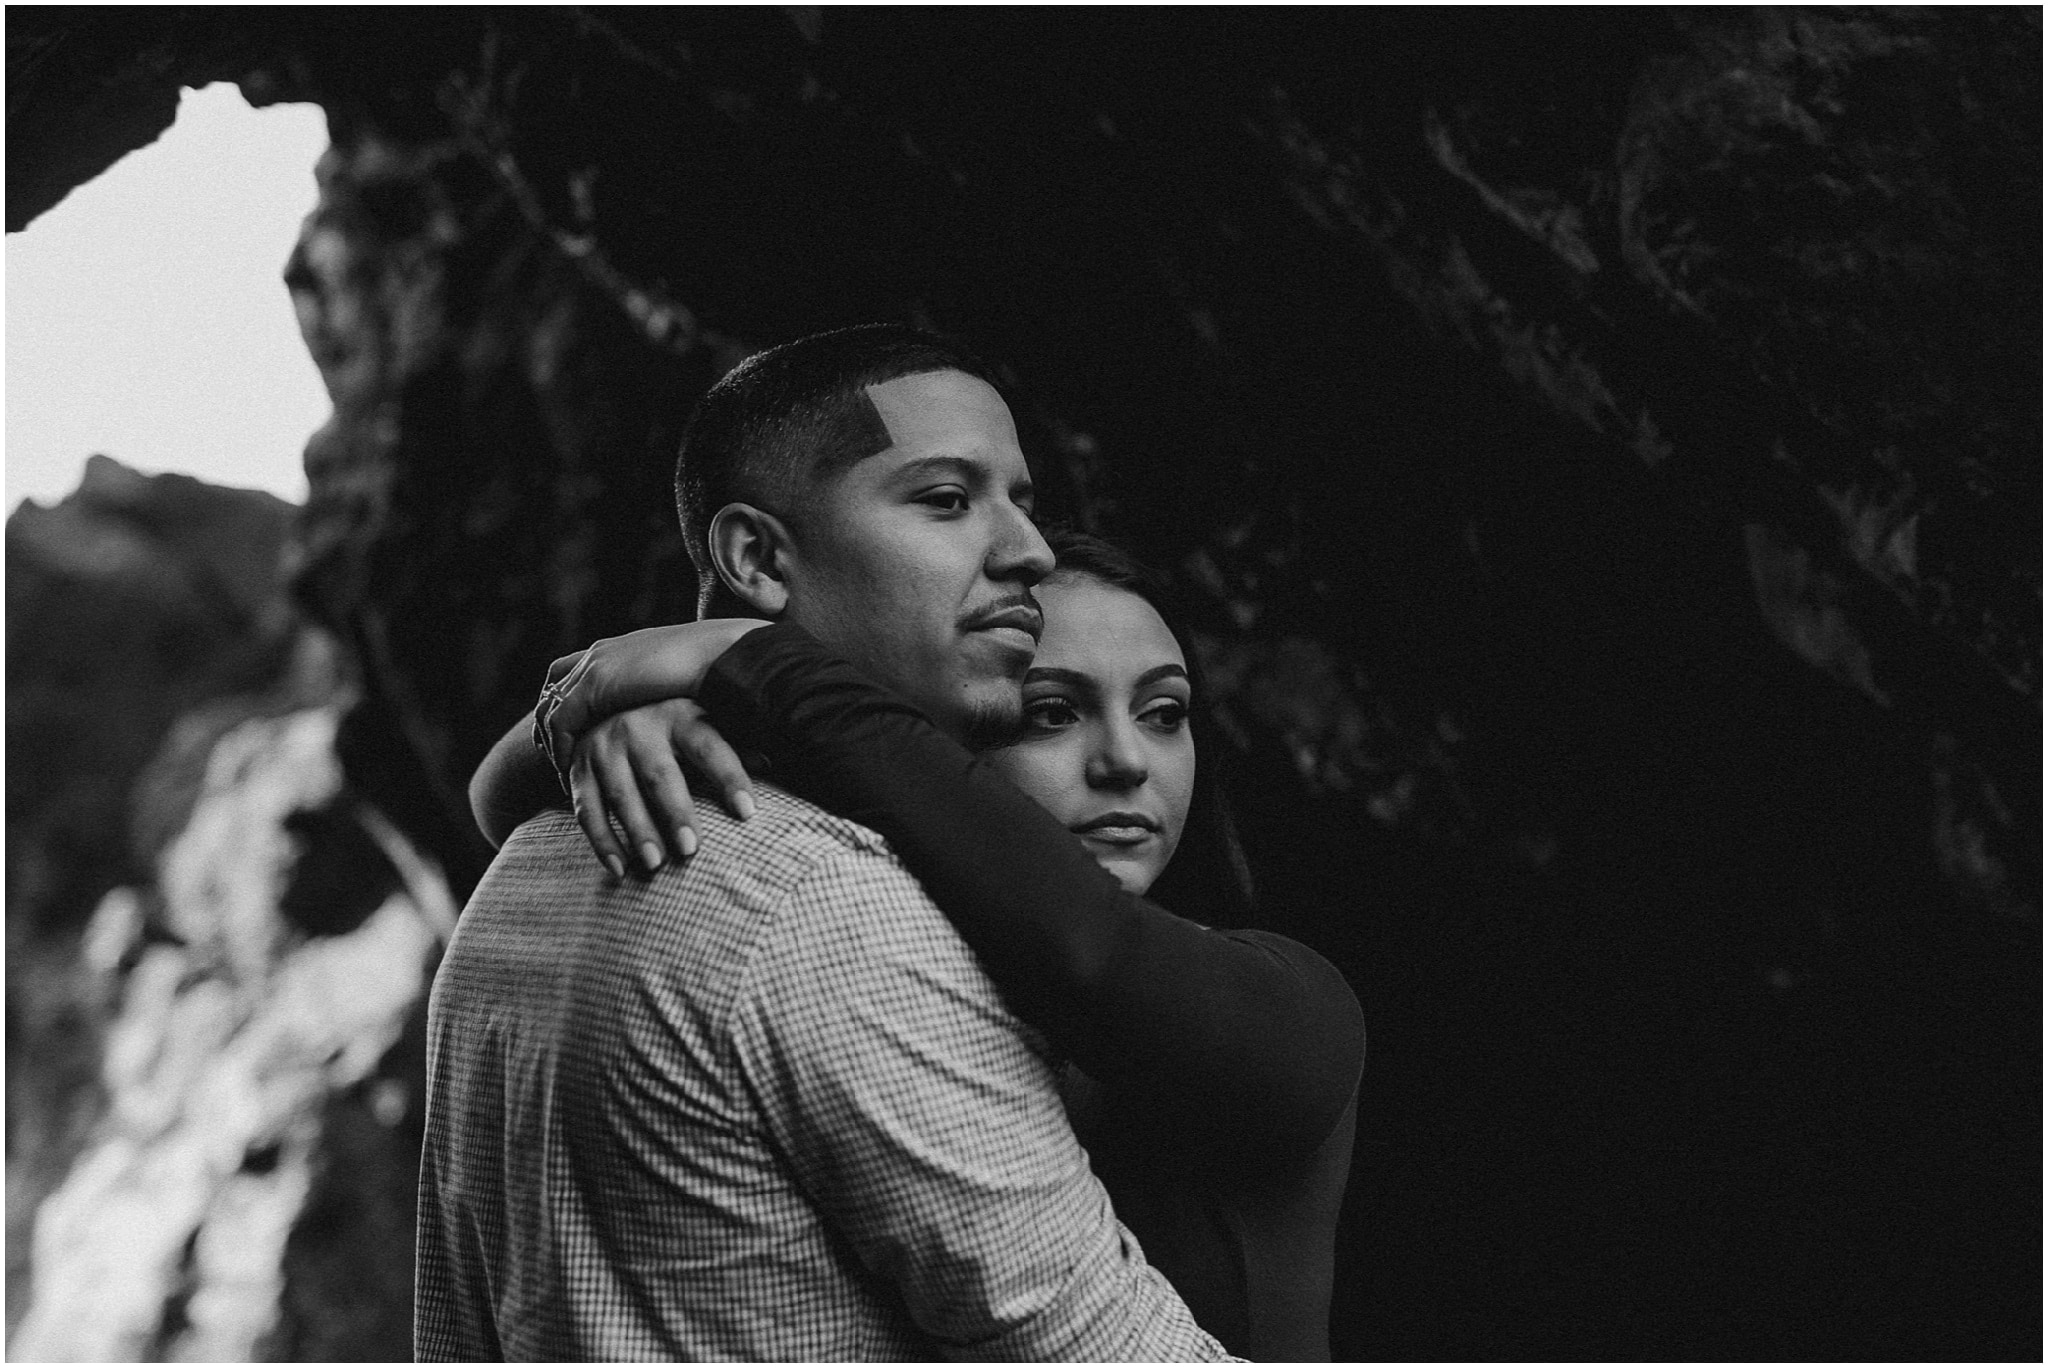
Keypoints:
pixel 1015 610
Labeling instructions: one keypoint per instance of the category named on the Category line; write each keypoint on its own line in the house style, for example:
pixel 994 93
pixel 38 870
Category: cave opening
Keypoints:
pixel 147 318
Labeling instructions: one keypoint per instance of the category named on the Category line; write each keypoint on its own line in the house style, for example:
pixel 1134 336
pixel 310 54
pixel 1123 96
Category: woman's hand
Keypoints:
pixel 615 719
pixel 624 672
pixel 628 769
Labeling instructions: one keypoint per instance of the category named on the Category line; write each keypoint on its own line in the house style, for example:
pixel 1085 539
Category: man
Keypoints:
pixel 765 1105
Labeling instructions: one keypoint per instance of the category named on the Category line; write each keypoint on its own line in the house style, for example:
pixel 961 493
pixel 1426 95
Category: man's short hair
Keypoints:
pixel 784 422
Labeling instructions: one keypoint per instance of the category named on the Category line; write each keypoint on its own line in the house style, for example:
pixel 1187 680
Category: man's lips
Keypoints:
pixel 1117 828
pixel 1024 617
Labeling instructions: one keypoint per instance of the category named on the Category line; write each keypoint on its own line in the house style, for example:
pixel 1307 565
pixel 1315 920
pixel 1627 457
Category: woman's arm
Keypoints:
pixel 605 771
pixel 1243 1038
pixel 513 783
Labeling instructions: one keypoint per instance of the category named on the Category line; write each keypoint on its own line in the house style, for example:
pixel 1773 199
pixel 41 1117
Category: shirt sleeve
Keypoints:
pixel 914 1111
pixel 1241 1040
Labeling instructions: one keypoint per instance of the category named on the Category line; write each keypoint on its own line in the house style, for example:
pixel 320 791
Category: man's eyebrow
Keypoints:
pixel 926 467
pixel 958 468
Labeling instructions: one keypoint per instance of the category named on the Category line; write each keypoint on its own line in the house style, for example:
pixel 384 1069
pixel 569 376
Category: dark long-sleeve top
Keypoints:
pixel 1217 1070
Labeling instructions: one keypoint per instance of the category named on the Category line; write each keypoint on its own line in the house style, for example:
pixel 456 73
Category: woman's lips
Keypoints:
pixel 1117 829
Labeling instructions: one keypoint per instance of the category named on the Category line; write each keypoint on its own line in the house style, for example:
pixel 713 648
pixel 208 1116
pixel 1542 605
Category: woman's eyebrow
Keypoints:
pixel 1167 671
pixel 1078 680
pixel 1052 674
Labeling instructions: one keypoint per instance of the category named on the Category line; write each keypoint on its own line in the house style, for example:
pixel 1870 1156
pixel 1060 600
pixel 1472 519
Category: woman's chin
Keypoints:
pixel 1133 872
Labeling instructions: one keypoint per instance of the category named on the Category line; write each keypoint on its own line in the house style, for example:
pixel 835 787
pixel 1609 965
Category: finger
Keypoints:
pixel 622 792
pixel 593 815
pixel 667 792
pixel 572 714
pixel 707 751
pixel 562 665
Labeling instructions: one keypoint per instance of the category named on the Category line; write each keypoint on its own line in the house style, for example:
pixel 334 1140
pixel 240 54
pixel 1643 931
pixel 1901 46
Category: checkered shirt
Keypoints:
pixel 763 1107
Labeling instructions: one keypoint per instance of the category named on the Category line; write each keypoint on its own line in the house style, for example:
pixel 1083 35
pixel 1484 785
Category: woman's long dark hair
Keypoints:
pixel 1208 879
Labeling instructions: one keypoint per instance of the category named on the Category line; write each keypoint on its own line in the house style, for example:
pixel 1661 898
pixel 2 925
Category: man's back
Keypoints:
pixel 764 1107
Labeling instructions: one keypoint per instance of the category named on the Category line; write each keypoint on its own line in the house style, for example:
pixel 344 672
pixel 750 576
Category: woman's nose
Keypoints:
pixel 1119 761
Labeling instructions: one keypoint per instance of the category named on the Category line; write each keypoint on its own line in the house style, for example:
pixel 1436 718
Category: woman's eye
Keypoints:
pixel 1166 717
pixel 945 500
pixel 1050 713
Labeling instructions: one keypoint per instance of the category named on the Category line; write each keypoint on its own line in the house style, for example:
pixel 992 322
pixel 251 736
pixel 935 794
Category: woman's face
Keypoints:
pixel 1106 747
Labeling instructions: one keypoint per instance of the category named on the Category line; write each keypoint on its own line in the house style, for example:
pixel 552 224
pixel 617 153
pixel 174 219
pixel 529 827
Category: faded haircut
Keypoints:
pixel 785 422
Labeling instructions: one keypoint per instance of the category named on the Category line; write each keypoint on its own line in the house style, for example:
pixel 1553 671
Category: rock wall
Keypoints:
pixel 1605 446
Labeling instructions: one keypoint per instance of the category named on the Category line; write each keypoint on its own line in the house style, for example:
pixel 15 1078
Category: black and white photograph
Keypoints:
pixel 1061 684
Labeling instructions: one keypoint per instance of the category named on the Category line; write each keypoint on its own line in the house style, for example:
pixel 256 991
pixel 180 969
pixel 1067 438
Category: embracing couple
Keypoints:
pixel 886 1055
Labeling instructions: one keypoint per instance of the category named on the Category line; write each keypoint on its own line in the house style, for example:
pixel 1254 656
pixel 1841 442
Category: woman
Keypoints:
pixel 1214 1073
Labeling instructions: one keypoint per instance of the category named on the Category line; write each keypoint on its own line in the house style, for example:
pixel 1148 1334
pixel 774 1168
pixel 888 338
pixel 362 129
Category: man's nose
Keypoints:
pixel 1119 759
pixel 1020 553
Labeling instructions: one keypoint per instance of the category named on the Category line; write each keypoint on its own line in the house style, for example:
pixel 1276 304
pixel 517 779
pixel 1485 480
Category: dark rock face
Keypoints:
pixel 1605 445
pixel 444 327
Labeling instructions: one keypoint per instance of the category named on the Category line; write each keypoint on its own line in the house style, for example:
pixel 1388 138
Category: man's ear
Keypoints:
pixel 750 550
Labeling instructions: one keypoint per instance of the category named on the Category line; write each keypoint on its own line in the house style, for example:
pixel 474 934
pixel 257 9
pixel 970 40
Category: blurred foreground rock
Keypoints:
pixel 205 1107
pixel 234 1029
pixel 131 602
